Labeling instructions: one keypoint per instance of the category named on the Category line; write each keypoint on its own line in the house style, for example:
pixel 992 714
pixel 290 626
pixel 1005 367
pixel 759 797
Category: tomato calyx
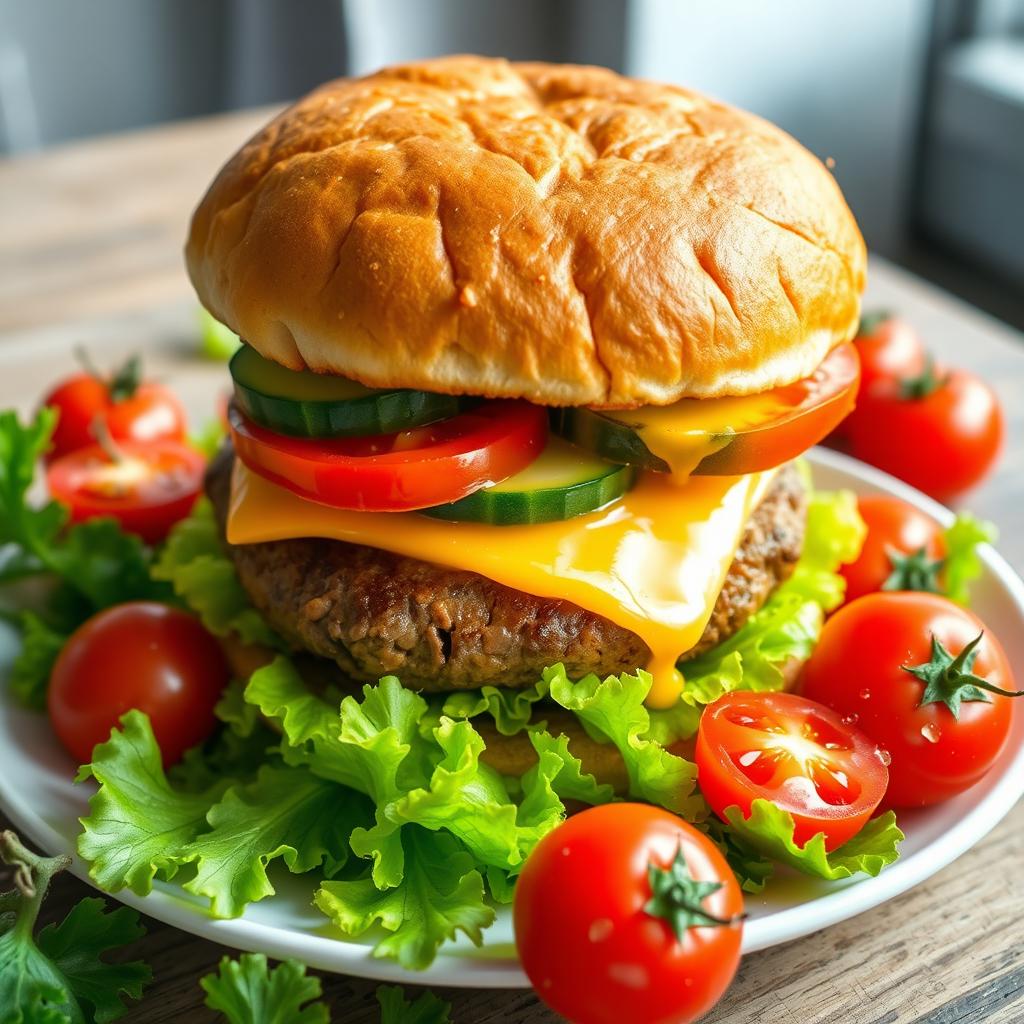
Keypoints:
pixel 870 322
pixel 949 680
pixel 913 389
pixel 677 898
pixel 122 383
pixel 914 571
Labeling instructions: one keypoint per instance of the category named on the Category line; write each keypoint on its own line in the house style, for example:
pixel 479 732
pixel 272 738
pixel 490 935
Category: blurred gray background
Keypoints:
pixel 920 103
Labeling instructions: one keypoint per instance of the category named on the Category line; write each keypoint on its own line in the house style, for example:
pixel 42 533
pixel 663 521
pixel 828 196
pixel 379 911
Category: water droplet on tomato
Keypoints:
pixel 865 694
pixel 851 719
pixel 884 756
pixel 930 731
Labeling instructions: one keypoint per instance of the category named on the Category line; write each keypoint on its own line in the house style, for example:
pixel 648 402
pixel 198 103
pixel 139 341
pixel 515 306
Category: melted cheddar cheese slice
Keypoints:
pixel 653 562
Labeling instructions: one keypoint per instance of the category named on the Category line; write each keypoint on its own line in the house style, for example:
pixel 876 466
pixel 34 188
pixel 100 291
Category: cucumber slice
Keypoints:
pixel 610 438
pixel 306 404
pixel 561 483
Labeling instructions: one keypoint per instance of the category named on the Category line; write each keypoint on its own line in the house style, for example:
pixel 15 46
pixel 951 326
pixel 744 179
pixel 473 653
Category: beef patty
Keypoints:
pixel 376 613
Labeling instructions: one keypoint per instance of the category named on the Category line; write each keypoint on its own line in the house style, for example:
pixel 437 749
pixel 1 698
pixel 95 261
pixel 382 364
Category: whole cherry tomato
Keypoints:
pixel 922 677
pixel 903 549
pixel 794 752
pixel 139 655
pixel 627 913
pixel 122 407
pixel 889 348
pixel 940 432
pixel 146 487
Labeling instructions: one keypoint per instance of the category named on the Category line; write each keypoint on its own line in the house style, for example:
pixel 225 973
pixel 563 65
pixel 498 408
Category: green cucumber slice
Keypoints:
pixel 306 404
pixel 561 483
pixel 610 438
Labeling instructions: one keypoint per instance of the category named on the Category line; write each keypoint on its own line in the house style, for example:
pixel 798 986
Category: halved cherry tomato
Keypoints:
pixel 940 432
pixel 861 668
pixel 430 465
pixel 146 487
pixel 796 753
pixel 808 410
pixel 140 655
pixel 125 406
pixel 627 913
pixel 903 549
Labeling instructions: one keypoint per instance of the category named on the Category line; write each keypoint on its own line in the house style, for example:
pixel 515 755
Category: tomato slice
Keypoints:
pixel 148 487
pixel 805 413
pixel 798 754
pixel 722 436
pixel 429 465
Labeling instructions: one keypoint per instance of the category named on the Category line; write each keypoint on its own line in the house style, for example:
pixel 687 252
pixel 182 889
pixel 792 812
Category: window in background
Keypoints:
pixel 969 210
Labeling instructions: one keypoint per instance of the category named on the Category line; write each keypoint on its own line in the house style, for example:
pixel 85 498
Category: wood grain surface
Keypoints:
pixel 90 252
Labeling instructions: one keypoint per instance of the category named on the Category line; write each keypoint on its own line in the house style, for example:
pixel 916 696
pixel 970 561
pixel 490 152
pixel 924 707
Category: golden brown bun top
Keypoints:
pixel 552 232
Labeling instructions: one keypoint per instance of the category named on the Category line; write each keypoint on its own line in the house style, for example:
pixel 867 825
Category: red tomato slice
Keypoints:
pixel 429 465
pixel 807 411
pixel 147 489
pixel 796 753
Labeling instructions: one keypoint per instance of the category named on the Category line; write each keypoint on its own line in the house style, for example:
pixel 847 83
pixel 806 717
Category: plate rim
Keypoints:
pixel 464 969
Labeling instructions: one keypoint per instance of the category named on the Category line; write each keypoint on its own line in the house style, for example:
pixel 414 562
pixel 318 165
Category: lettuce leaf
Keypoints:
pixel 287 813
pixel 510 709
pixel 613 711
pixel 962 565
pixel 246 992
pixel 770 830
pixel 424 1009
pixel 138 826
pixel 195 565
pixel 441 894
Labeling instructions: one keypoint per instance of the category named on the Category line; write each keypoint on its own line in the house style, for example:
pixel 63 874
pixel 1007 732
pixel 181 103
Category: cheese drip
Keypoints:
pixel 653 561
pixel 685 433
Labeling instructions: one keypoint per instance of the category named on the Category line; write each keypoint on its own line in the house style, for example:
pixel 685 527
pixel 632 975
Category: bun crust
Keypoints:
pixel 553 232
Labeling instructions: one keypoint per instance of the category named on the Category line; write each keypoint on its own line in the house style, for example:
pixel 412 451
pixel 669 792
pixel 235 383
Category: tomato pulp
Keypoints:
pixel 796 753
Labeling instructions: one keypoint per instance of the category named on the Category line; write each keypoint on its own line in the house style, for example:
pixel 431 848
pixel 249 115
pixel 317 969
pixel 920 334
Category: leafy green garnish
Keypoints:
pixel 441 894
pixel 59 976
pixel 962 566
pixel 612 710
pixel 194 563
pixel 770 830
pixel 30 673
pixel 93 564
pixel 511 710
pixel 285 812
pixel 425 1009
pixel 246 992
pixel 138 827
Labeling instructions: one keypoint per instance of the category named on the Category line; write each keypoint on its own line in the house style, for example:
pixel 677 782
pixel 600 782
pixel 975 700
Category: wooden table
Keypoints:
pixel 90 252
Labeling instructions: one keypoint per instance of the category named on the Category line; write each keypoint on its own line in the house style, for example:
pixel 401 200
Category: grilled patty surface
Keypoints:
pixel 375 613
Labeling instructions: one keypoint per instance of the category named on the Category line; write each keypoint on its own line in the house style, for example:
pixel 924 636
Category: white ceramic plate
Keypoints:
pixel 38 795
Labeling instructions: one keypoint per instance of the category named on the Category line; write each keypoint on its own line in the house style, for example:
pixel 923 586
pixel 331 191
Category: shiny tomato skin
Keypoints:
pixel 168 482
pixel 856 669
pixel 587 945
pixel 141 655
pixel 429 465
pixel 942 444
pixel 892 525
pixel 152 413
pixel 772 725
pixel 892 349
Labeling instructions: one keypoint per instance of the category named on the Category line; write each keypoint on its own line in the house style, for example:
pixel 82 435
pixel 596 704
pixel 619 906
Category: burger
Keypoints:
pixel 529 353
